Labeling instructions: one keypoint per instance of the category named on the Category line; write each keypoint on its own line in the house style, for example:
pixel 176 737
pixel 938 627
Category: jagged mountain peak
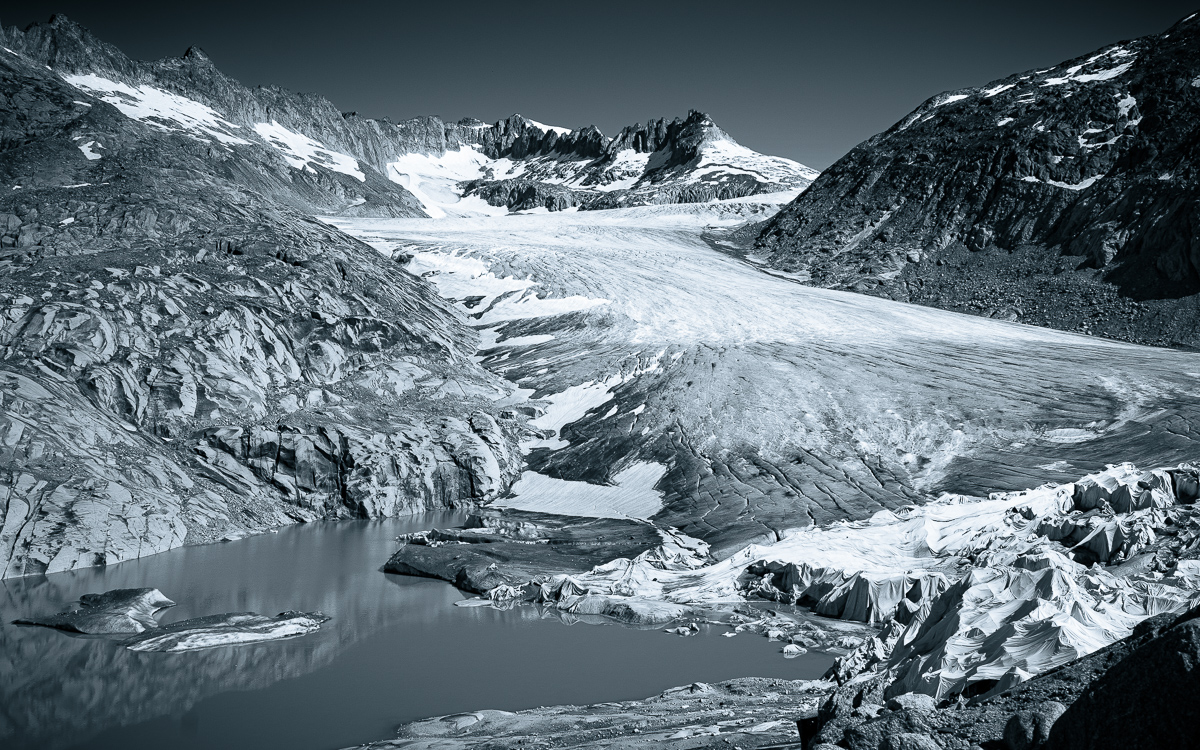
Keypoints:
pixel 195 54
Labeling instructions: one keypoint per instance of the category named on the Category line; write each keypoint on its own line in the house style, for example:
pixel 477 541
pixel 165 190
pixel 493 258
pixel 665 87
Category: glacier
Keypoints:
pixel 960 484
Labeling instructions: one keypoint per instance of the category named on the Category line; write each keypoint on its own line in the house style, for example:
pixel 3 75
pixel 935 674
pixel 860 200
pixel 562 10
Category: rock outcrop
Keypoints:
pixel 1147 700
pixel 1063 197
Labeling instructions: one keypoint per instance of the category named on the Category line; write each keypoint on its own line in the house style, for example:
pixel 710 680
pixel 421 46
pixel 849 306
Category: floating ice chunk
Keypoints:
pixel 159 108
pixel 235 629
pixel 300 151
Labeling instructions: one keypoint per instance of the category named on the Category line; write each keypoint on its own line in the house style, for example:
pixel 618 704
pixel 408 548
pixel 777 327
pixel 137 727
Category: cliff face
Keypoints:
pixel 1062 197
pixel 185 355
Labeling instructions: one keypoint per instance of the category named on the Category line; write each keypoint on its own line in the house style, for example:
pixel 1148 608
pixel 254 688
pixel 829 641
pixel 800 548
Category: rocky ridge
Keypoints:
pixel 688 160
pixel 329 162
pixel 1063 197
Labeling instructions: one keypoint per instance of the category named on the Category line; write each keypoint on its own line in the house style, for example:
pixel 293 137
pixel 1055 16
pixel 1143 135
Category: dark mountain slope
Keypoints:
pixel 1064 197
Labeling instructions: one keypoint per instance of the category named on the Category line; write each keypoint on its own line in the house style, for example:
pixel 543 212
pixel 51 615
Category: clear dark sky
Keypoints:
pixel 798 79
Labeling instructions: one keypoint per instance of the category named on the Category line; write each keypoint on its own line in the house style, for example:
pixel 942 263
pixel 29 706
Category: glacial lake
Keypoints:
pixel 397 649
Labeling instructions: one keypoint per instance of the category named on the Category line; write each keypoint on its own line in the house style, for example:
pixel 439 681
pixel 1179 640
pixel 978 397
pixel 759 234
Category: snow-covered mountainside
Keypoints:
pixel 1064 197
pixel 678 161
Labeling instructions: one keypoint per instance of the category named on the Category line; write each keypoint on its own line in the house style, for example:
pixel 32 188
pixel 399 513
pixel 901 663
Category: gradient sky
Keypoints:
pixel 802 80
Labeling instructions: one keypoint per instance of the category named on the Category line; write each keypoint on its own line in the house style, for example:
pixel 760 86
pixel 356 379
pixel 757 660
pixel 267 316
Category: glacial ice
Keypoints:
pixel 696 336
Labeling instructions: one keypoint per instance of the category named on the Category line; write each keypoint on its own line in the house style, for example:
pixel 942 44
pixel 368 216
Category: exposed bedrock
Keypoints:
pixel 523 195
pixel 185 358
pixel 1063 197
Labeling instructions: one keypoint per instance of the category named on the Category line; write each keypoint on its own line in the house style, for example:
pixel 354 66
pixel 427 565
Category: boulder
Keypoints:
pixel 873 734
pixel 1150 699
pixel 1029 729
pixel 910 741
pixel 913 702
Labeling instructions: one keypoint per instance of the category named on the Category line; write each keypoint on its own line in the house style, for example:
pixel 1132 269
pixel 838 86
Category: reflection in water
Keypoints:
pixel 395 650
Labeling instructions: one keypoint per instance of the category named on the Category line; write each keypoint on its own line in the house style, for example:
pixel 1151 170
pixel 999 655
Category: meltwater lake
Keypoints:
pixel 397 649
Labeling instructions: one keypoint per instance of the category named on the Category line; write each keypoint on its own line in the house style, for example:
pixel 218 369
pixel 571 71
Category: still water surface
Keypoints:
pixel 396 650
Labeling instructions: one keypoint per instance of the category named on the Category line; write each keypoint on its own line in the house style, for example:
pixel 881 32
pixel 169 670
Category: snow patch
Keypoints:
pixel 86 148
pixel 951 99
pixel 1082 185
pixel 434 179
pixel 547 128
pixel 160 109
pixel 300 151
pixel 632 494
